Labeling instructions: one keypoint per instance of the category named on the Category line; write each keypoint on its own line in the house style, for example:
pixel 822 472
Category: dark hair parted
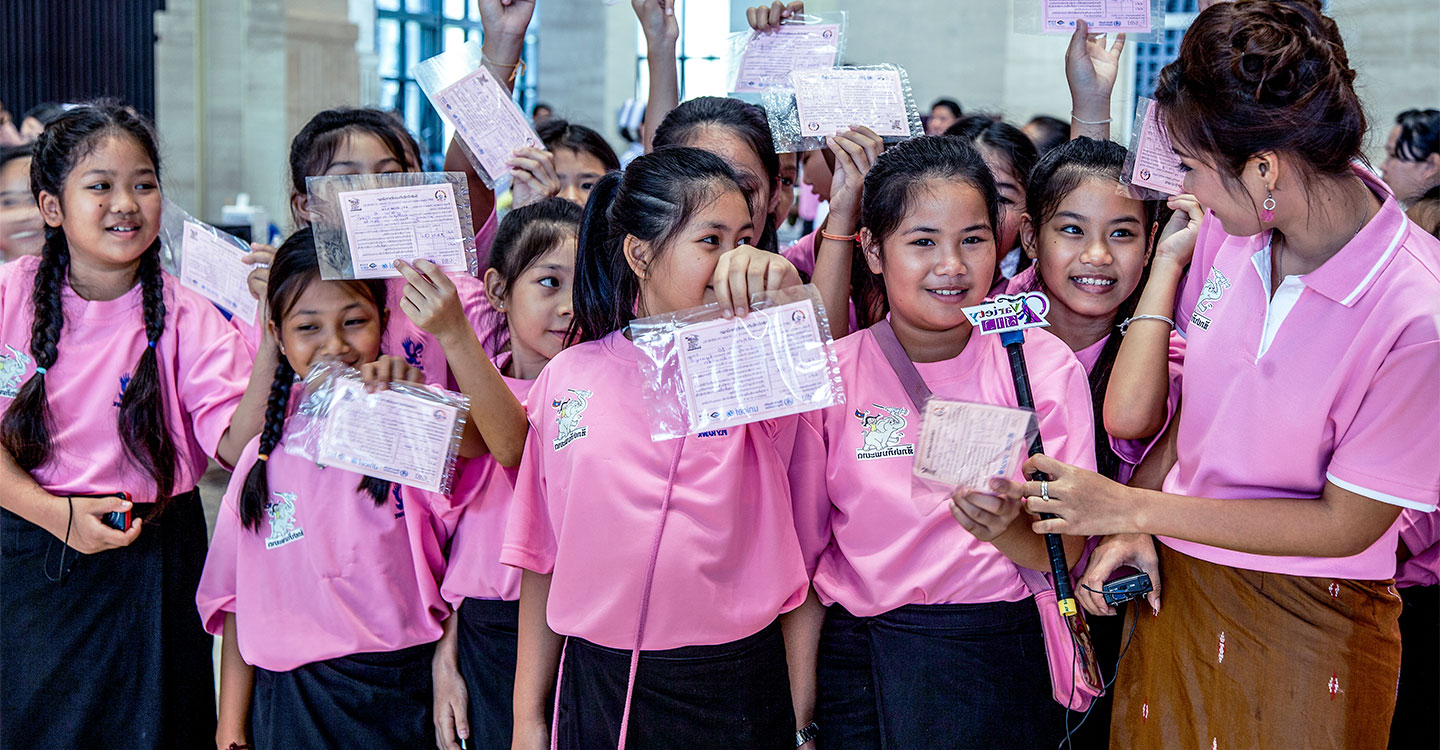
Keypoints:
pixel 11 153
pixel 1053 131
pixel 1058 173
pixel 556 134
pixel 524 236
pixel 315 145
pixel 1419 134
pixel 891 186
pixel 744 120
pixel 1264 75
pixel 294 268
pixel 651 200
pixel 27 429
pixel 1004 139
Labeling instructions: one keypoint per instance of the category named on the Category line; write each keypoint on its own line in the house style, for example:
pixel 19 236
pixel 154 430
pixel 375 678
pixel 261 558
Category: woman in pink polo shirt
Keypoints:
pixel 1310 415
pixel 657 570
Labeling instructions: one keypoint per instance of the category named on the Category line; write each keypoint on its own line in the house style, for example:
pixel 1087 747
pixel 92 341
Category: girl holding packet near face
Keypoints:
pixel 1308 307
pixel 655 575
pixel 116 387
pixel 925 599
pixel 329 603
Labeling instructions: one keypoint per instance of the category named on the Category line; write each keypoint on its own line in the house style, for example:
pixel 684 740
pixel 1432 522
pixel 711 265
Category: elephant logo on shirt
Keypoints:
pixel 13 367
pixel 567 417
pixel 881 433
pixel 281 514
pixel 1215 286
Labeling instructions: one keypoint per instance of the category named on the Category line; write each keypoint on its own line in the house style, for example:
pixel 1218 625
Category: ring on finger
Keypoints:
pixel 1045 490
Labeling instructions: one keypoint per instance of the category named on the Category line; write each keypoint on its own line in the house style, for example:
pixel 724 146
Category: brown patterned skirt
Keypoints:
pixel 1243 659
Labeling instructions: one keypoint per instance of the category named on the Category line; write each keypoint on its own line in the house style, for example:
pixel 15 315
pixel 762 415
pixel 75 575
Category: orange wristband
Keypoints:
pixel 839 237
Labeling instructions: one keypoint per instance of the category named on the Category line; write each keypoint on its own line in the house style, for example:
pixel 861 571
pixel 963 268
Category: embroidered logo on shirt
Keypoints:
pixel 413 350
pixel 282 521
pixel 881 433
pixel 567 417
pixel 124 383
pixel 399 501
pixel 1215 286
pixel 713 433
pixel 13 367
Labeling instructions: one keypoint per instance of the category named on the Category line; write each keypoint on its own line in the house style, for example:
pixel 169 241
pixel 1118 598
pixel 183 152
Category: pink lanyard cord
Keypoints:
pixel 640 624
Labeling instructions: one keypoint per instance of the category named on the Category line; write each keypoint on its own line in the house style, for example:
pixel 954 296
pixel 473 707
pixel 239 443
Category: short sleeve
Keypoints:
pixel 218 585
pixel 485 238
pixel 529 534
pixel 1063 409
pixel 1207 246
pixel 484 318
pixel 213 369
pixel 1388 450
pixel 809 495
pixel 802 254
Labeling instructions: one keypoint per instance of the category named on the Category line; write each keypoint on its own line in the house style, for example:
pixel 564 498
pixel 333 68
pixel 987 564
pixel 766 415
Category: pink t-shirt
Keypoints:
pixel 203 372
pixel 802 256
pixel 481 501
pixel 876 549
pixel 1420 533
pixel 1333 379
pixel 327 573
pixel 587 503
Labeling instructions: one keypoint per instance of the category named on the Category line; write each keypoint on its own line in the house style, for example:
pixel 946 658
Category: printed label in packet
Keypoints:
pixel 402 223
pixel 829 101
pixel 1157 166
pixel 211 266
pixel 1103 16
pixel 390 435
pixel 486 119
pixel 963 445
pixel 770 363
pixel 769 58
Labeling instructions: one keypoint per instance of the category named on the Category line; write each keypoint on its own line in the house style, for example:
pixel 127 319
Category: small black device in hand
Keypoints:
pixel 115 519
pixel 1122 590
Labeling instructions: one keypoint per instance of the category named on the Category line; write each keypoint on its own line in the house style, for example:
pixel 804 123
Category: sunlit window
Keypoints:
pixel 704 26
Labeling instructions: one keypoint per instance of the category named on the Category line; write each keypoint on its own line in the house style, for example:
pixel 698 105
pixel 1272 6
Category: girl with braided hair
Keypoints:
pixel 113 379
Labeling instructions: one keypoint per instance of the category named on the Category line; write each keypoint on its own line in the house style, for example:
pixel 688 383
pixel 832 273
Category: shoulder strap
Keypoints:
pixel 900 362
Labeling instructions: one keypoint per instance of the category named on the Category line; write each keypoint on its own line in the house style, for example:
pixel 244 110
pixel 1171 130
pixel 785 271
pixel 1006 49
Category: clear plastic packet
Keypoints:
pixel 963 445
pixel 488 123
pixel 763 61
pixel 703 372
pixel 363 223
pixel 207 260
pixel 1152 168
pixel 821 103
pixel 1139 20
pixel 409 434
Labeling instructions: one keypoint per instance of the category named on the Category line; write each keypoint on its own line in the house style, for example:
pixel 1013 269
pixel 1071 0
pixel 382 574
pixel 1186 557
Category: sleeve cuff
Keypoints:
pixel 517 557
pixel 1383 497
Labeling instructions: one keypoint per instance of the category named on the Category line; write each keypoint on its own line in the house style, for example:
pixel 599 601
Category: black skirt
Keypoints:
pixel 486 637
pixel 734 695
pixel 372 700
pixel 112 654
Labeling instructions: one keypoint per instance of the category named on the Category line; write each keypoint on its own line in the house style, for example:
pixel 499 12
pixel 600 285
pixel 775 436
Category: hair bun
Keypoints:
pixel 1287 49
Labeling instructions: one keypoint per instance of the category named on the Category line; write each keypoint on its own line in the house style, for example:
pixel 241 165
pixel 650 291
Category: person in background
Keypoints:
pixel 580 157
pixel 9 135
pixel 541 113
pixel 1046 132
pixel 943 114
pixel 1426 211
pixel 39 117
pixel 1412 154
pixel 22 231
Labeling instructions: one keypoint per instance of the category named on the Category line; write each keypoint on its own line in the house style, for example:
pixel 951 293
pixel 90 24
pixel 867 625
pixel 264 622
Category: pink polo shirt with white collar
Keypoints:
pixel 1335 378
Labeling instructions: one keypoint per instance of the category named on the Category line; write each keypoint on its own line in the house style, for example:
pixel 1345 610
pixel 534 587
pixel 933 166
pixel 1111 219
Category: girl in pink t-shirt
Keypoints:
pixel 324 582
pixel 529 280
pixel 113 379
pixel 654 573
pixel 931 637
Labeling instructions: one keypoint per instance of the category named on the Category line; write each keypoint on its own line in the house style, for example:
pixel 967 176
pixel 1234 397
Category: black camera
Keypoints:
pixel 1122 590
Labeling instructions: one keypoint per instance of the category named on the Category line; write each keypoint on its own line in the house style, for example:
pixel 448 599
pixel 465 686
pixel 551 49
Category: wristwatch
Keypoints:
pixel 807 733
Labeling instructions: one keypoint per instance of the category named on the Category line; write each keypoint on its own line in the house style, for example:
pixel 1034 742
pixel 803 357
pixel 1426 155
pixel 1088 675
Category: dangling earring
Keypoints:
pixel 1268 215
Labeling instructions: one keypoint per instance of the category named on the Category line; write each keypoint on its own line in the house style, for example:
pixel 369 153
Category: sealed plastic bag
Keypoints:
pixel 821 103
pixel 1152 168
pixel 409 434
pixel 488 123
pixel 705 372
pixel 963 445
pixel 763 61
pixel 363 223
pixel 1139 20
pixel 207 261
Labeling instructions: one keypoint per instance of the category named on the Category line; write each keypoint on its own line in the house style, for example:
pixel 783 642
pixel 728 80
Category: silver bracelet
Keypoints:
pixel 1126 325
pixel 1105 121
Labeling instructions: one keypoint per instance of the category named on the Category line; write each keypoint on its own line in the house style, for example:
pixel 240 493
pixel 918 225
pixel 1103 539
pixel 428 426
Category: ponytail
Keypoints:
pixel 604 284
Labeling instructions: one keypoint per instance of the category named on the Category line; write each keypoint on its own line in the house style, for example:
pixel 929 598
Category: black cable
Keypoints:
pixel 60 573
pixel 1069 732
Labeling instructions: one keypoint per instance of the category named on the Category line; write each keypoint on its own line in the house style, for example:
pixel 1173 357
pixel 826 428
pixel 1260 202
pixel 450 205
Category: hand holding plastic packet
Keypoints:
pixel 704 372
pixel 488 123
pixel 1139 20
pixel 1152 168
pixel 822 102
pixel 363 223
pixel 964 445
pixel 409 433
pixel 207 261
pixel 760 61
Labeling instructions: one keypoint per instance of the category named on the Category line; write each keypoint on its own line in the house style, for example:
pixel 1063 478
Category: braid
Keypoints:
pixel 143 431
pixel 27 427
pixel 257 484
